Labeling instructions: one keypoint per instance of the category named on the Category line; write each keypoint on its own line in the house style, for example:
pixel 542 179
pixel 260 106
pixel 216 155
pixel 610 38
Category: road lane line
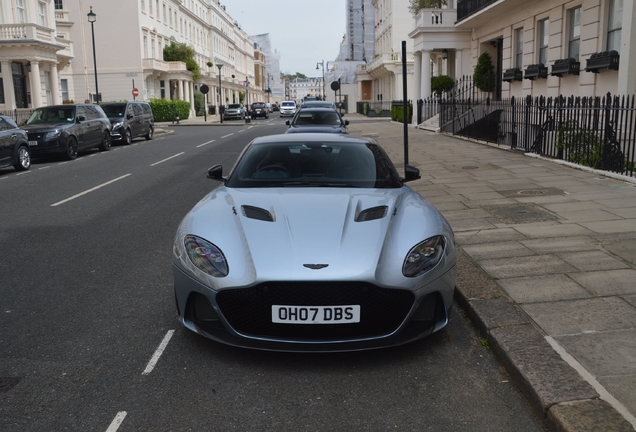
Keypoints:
pixel 155 357
pixel 89 191
pixel 119 418
pixel 167 159
pixel 205 143
pixel 46 167
pixel 23 173
pixel 228 135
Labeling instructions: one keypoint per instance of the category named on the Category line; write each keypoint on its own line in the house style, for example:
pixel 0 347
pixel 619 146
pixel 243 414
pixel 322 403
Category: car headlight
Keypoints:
pixel 117 125
pixel 54 134
pixel 424 256
pixel 205 256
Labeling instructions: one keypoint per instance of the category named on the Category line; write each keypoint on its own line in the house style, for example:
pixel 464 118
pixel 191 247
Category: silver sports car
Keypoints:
pixel 312 243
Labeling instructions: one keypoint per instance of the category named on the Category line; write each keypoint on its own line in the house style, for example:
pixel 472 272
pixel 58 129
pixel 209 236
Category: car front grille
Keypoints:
pixel 249 310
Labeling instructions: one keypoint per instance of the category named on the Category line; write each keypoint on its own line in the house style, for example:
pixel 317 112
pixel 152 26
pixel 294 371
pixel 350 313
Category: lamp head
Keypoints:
pixel 91 16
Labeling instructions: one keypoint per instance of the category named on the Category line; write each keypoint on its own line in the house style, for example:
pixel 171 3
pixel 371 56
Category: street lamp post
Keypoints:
pixel 322 63
pixel 269 89
pixel 220 65
pixel 91 19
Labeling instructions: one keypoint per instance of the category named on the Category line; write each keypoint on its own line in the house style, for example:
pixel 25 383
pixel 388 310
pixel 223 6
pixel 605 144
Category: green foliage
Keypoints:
pixel 297 75
pixel 441 84
pixel 484 73
pixel 199 103
pixel 415 6
pixel 181 52
pixel 241 97
pixel 210 64
pixel 583 146
pixel 162 109
pixel 397 113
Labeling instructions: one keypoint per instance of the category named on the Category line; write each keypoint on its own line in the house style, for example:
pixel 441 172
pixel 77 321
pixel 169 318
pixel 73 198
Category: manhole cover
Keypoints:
pixel 515 193
pixel 531 192
pixel 7 383
pixel 469 167
pixel 520 213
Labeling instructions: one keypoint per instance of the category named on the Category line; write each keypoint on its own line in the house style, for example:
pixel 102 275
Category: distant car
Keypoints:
pixel 14 145
pixel 129 120
pixel 322 120
pixel 318 104
pixel 67 129
pixel 287 108
pixel 234 111
pixel 259 109
pixel 314 243
pixel 275 107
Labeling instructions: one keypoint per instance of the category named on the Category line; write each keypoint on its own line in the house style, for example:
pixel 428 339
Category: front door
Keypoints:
pixel 19 85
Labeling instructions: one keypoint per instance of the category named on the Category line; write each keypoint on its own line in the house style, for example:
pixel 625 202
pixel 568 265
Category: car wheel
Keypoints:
pixel 149 134
pixel 105 146
pixel 71 148
pixel 23 159
pixel 127 137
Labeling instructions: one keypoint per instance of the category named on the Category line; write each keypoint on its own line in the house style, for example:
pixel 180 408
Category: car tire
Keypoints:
pixel 23 158
pixel 127 137
pixel 148 135
pixel 71 148
pixel 105 145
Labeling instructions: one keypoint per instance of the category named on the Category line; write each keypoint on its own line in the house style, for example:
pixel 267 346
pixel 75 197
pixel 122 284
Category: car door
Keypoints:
pixel 136 124
pixel 6 145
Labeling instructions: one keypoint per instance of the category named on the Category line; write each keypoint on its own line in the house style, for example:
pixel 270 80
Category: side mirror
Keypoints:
pixel 412 173
pixel 129 116
pixel 287 122
pixel 80 118
pixel 346 122
pixel 216 173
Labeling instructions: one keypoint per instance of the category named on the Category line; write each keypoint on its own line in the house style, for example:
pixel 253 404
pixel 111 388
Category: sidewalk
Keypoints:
pixel 546 267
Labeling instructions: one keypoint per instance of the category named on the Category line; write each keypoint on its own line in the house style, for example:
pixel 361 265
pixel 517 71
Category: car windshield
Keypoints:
pixel 258 105
pixel 114 110
pixel 52 115
pixel 233 106
pixel 315 164
pixel 320 118
pixel 288 104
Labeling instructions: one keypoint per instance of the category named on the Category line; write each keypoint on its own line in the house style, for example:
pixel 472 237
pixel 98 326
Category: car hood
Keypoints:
pixel 309 227
pixel 317 129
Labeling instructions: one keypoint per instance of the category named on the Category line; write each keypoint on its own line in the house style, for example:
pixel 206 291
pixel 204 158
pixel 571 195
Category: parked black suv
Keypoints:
pixel 259 109
pixel 129 120
pixel 14 146
pixel 67 129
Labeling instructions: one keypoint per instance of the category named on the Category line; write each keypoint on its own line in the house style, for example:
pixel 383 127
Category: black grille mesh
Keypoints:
pixel 249 310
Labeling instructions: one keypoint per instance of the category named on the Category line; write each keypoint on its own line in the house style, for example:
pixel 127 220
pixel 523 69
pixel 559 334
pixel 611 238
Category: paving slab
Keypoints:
pixel 555 245
pixel 626 249
pixel 525 266
pixel 622 226
pixel 607 283
pixel 489 236
pixel 548 288
pixel 622 388
pixel 553 230
pixel 497 250
pixel 592 260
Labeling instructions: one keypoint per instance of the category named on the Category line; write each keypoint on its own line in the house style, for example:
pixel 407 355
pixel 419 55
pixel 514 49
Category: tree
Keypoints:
pixel 297 75
pixel 484 73
pixel 415 6
pixel 441 84
pixel 181 52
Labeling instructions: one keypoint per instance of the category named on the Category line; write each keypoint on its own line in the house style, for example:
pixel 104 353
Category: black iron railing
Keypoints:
pixel 466 8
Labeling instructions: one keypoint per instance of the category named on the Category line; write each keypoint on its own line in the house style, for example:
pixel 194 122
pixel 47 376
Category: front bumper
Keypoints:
pixel 44 146
pixel 241 317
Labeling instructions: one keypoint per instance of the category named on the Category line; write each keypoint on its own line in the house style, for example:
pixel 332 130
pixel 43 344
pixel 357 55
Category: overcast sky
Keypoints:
pixel 303 32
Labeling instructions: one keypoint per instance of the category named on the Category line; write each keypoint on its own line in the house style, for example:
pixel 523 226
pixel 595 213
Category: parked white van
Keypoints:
pixel 287 108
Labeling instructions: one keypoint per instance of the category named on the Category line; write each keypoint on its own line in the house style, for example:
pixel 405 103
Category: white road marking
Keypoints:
pixel 605 395
pixel 228 135
pixel 155 357
pixel 46 167
pixel 23 173
pixel 167 159
pixel 117 421
pixel 89 191
pixel 205 143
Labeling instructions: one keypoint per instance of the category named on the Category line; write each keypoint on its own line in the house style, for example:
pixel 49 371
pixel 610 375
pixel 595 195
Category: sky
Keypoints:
pixel 303 32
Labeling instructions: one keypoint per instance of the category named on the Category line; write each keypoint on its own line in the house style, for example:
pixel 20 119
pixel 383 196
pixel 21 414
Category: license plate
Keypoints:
pixel 33 143
pixel 316 314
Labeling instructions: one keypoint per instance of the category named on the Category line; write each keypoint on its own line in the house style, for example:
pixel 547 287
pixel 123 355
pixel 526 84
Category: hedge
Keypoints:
pixel 162 109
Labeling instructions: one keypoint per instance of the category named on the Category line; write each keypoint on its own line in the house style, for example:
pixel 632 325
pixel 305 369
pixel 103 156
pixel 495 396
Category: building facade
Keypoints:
pixel 50 52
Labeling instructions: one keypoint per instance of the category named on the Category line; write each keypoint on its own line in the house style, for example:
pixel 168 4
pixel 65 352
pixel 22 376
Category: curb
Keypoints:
pixel 560 396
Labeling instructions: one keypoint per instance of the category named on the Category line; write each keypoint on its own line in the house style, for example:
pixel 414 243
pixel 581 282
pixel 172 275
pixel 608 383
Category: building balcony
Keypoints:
pixel 163 66
pixel 61 16
pixel 476 13
pixel 435 19
pixel 26 33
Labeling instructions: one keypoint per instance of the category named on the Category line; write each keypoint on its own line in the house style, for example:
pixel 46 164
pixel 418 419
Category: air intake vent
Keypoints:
pixel 372 214
pixel 257 213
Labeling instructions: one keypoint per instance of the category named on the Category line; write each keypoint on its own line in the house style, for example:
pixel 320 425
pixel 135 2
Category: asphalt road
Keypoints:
pixel 89 339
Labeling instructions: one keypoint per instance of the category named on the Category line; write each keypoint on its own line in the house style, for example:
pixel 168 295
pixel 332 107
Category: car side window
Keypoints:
pixel 136 110
pixel 146 108
pixel 3 125
pixel 81 112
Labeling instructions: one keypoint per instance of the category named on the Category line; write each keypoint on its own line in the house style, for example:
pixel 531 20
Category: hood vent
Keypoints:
pixel 257 213
pixel 371 214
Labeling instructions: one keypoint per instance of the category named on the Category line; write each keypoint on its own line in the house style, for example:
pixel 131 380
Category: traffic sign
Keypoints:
pixel 204 89
pixel 135 92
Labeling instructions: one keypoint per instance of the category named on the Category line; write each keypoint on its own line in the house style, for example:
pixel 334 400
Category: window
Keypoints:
pixel 170 13
pixel 152 48
pixel 574 33
pixel 519 48
pixel 150 7
pixel 157 8
pixel 143 5
pixel 21 11
pixel 42 14
pixel 1 18
pixel 145 46
pixel 59 5
pixel 64 88
pixel 1 87
pixel 543 38
pixel 164 13
pixel 615 25
pixel 47 88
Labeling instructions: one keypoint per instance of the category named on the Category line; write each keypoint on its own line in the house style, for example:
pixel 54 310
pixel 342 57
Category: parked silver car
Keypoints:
pixel 314 243
pixel 234 111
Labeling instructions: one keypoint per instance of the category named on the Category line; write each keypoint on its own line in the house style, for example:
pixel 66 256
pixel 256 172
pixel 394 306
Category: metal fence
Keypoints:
pixel 19 115
pixel 599 132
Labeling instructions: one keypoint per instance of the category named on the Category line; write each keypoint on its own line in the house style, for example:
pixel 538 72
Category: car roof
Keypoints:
pixel 312 137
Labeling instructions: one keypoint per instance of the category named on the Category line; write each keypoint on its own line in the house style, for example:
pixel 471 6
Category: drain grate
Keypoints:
pixel 530 192
pixel 7 383
pixel 520 213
